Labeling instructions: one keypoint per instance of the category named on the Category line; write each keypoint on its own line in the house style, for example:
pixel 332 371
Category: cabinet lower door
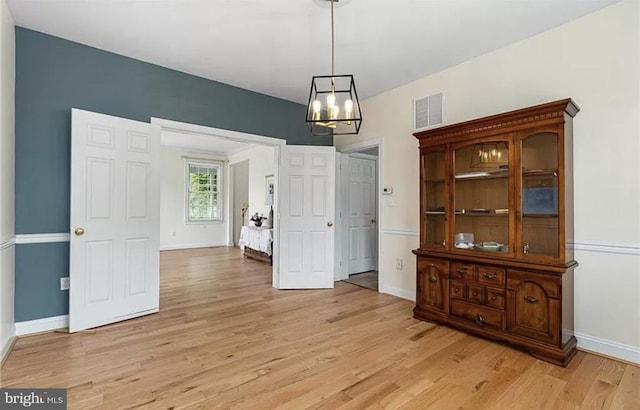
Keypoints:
pixel 432 290
pixel 532 313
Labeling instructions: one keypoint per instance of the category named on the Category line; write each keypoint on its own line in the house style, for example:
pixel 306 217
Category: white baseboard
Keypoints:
pixel 192 245
pixel 608 348
pixel 42 325
pixel 401 293
pixel 6 345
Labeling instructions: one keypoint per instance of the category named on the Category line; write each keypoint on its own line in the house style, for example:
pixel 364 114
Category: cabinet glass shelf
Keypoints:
pixel 497 173
pixel 535 172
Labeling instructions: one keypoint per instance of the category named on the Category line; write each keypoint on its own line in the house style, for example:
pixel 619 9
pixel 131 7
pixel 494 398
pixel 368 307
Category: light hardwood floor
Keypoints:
pixel 224 338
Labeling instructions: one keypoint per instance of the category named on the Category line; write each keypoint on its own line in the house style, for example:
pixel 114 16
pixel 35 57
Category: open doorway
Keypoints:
pixel 360 189
pixel 239 156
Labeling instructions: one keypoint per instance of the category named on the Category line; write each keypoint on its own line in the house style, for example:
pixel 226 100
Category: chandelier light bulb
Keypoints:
pixel 348 107
pixel 331 100
pixel 316 106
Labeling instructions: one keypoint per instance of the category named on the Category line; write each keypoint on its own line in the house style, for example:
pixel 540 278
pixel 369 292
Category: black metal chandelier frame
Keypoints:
pixel 333 119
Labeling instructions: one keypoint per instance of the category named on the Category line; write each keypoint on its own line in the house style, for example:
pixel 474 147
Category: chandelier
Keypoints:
pixel 333 107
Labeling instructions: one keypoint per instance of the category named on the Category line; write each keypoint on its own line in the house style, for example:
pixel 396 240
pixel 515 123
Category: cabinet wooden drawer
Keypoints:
pixel 495 298
pixel 457 289
pixel 482 316
pixel 461 270
pixel 475 293
pixel 492 276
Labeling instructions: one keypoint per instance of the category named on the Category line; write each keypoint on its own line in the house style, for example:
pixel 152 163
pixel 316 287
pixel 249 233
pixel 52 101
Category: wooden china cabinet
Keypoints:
pixel 496 234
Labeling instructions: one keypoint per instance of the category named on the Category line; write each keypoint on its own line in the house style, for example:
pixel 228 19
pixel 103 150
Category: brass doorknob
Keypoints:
pixel 79 231
pixel 329 224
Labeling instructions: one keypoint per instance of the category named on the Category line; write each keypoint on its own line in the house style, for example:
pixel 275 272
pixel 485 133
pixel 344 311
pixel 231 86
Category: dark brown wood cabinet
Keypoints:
pixel 496 232
pixel 432 277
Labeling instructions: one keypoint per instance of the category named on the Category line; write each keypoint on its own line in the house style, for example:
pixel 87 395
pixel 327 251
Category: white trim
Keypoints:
pixel 401 293
pixel 607 247
pixel 184 127
pixel 192 245
pixel 608 347
pixel 362 145
pixel 42 238
pixel 403 232
pixel 364 156
pixel 42 325
pixel 7 243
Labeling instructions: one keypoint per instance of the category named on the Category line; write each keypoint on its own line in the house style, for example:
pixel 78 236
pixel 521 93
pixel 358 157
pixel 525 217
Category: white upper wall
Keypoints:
pixel 261 164
pixel 595 61
pixel 174 232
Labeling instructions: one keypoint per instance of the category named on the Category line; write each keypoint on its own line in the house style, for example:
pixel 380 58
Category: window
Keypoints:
pixel 204 191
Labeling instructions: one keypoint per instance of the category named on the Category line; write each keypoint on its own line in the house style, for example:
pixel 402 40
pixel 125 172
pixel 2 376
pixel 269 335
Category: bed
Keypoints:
pixel 257 243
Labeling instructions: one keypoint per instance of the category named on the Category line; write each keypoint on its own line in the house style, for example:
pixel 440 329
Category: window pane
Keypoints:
pixel 203 192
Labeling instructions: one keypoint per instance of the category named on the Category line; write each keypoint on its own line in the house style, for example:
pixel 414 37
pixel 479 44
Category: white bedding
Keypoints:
pixel 259 239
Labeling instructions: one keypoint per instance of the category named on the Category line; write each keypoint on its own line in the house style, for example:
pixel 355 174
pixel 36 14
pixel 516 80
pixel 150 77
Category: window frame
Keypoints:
pixel 219 166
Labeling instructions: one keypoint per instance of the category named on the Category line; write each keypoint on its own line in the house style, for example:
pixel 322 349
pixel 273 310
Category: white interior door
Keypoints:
pixel 307 215
pixel 362 215
pixel 115 215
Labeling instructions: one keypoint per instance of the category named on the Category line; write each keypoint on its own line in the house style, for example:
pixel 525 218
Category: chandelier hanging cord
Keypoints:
pixel 333 50
pixel 341 113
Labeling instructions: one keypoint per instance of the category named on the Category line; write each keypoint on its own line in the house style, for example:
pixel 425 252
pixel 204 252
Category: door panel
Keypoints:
pixel 115 192
pixel 307 212
pixel 362 215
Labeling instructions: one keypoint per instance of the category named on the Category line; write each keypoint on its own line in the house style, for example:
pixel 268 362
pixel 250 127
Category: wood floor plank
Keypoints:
pixel 225 339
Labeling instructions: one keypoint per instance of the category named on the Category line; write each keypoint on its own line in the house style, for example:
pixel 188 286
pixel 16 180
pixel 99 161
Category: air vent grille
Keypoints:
pixel 429 111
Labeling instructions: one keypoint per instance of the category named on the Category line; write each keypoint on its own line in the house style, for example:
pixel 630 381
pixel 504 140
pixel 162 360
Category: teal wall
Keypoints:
pixel 39 268
pixel 54 75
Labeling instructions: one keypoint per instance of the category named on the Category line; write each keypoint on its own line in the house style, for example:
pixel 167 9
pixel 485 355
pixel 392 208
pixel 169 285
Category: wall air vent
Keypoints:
pixel 428 111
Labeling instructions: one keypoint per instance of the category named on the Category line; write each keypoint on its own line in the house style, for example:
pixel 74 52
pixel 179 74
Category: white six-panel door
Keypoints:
pixel 362 215
pixel 115 229
pixel 307 212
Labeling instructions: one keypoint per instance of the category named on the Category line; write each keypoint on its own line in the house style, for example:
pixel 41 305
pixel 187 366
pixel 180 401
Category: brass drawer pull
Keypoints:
pixel 480 319
pixel 433 279
pixel 462 271
pixel 493 298
pixel 456 290
pixel 531 299
pixel 475 293
pixel 490 275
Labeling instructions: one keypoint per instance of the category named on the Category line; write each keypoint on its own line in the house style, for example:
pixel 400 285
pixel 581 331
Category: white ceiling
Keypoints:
pixel 275 47
pixel 202 143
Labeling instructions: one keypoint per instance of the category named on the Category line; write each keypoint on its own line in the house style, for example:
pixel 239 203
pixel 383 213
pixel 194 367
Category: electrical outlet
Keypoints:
pixel 64 283
pixel 398 264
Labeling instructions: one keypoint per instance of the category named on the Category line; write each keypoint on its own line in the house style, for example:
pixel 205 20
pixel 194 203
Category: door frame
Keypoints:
pixel 350 150
pixel 160 124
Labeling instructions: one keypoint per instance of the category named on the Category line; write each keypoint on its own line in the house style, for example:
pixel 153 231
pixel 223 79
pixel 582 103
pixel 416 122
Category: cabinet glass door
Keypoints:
pixel 481 197
pixel 539 195
pixel 433 199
